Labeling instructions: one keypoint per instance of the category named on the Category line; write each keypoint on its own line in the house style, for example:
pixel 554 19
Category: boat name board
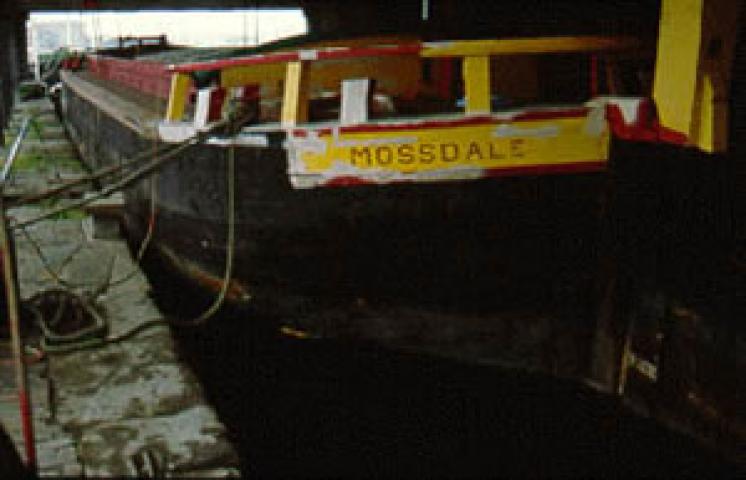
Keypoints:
pixel 433 153
pixel 442 153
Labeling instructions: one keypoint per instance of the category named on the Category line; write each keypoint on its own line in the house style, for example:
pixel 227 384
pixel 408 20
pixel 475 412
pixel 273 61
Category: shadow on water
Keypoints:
pixel 317 408
pixel 323 408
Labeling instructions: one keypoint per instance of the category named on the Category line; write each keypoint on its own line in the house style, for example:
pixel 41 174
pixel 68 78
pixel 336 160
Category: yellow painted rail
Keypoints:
pixel 396 67
pixel 528 46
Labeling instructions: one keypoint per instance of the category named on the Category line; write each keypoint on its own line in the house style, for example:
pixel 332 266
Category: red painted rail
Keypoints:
pixel 432 49
pixel 336 53
pixel 143 75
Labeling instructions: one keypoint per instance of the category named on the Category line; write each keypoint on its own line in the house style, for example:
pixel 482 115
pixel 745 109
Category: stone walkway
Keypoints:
pixel 130 407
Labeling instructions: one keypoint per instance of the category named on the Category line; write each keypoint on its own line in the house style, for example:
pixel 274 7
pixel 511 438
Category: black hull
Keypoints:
pixel 492 239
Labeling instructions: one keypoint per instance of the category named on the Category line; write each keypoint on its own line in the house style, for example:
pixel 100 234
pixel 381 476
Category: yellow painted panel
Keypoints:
pixel 295 100
pixel 693 68
pixel 449 152
pixel 704 122
pixel 517 46
pixel 180 84
pixel 709 130
pixel 271 74
pixel 477 84
pixel 398 75
pixel 676 67
pixel 395 75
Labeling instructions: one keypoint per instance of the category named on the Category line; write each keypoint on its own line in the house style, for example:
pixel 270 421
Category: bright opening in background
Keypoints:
pixel 79 30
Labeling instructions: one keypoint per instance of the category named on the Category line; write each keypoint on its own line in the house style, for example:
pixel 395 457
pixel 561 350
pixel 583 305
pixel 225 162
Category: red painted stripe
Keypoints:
pixel 550 114
pixel 669 135
pixel 557 169
pixel 321 54
pixel 594 75
pixel 234 62
pixel 377 51
pixel 560 168
pixel 143 75
pixel 451 123
pixel 347 181
pixel 647 127
pixel 444 73
pixel 395 127
pixel 28 429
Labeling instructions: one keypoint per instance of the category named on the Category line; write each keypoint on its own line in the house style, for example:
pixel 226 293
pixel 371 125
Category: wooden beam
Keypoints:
pixel 711 105
pixel 460 48
pixel 477 84
pixel 525 46
pixel 295 99
pixel 692 73
pixel 675 82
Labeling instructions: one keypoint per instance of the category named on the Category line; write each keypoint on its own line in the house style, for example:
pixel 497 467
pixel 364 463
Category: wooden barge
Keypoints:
pixel 382 166
pixel 469 171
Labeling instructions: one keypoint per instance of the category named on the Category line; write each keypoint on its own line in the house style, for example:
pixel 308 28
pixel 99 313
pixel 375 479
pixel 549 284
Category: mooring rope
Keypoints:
pixel 47 265
pixel 152 215
pixel 230 246
pixel 83 340
pixel 150 228
pixel 151 168
pixel 94 336
pixel 98 175
pixel 124 182
pixel 138 174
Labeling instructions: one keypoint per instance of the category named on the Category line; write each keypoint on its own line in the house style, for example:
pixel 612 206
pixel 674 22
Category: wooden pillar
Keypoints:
pixel 738 124
pixel 477 84
pixel 12 58
pixel 3 81
pixel 295 98
pixel 8 60
pixel 22 45
pixel 692 75
pixel 6 71
pixel 180 84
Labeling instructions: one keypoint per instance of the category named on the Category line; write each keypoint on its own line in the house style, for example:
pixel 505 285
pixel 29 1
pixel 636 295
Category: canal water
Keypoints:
pixel 311 407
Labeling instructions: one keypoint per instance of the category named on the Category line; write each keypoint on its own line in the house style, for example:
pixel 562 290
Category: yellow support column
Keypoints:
pixel 295 99
pixel 180 83
pixel 476 73
pixel 711 104
pixel 692 72
pixel 676 66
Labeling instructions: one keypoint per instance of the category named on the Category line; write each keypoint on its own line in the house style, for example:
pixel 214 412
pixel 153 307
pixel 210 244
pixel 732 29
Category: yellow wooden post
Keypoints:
pixel 711 106
pixel 676 66
pixel 476 72
pixel 295 98
pixel 692 73
pixel 180 83
pixel 527 46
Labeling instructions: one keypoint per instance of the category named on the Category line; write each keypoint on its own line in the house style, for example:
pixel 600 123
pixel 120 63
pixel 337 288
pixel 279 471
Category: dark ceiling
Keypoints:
pixel 451 19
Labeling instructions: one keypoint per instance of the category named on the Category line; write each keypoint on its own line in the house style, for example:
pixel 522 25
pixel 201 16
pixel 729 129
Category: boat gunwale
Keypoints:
pixel 451 48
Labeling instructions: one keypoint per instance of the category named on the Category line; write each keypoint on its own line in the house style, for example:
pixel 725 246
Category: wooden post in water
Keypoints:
pixel 11 291
pixel 10 279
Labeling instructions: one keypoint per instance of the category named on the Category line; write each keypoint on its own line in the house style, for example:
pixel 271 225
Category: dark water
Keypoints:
pixel 323 408
pixel 318 408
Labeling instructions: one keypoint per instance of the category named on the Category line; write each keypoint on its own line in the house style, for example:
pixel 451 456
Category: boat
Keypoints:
pixel 462 173
pixel 380 166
